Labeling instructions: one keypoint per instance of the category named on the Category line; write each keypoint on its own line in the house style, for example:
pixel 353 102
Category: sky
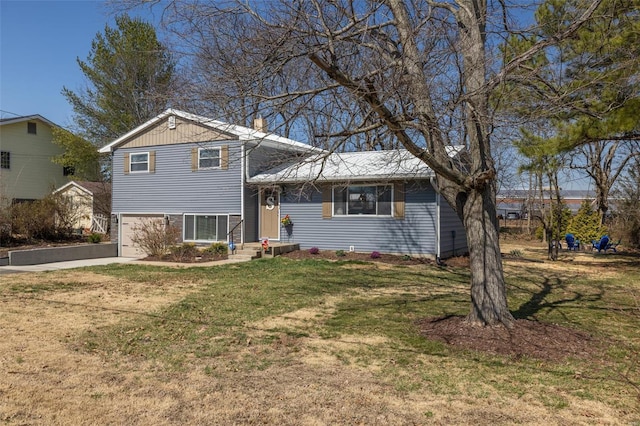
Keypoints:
pixel 40 42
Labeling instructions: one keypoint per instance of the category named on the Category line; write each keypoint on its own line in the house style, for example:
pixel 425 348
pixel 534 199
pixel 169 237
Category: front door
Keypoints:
pixel 270 213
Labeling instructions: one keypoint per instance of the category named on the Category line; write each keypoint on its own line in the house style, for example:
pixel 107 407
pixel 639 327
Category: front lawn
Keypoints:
pixel 282 341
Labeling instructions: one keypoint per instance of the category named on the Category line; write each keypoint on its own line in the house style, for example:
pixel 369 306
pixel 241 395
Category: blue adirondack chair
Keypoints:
pixel 612 246
pixel 602 244
pixel 572 243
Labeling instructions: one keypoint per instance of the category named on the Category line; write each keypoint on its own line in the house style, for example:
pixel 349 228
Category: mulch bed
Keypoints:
pixel 204 257
pixel 531 339
pixel 362 257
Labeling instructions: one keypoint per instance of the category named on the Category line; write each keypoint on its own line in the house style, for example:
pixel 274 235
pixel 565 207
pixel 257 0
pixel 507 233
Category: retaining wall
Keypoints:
pixel 62 254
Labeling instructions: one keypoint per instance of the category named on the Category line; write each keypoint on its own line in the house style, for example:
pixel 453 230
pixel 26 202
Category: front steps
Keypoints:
pixel 250 251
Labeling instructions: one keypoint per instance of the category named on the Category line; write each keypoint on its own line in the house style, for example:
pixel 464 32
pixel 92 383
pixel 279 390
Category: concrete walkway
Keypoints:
pixel 11 269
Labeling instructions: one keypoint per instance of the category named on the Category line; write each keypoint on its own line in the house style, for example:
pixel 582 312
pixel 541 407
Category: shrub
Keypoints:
pixel 51 218
pixel 217 249
pixel 314 250
pixel 5 222
pixel 406 258
pixel 184 252
pixel 95 238
pixel 516 253
pixel 375 255
pixel 154 237
pixel 586 224
pixel 340 253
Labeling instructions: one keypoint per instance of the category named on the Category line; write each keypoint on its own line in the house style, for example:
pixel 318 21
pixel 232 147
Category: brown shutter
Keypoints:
pixel 152 162
pixel 326 202
pixel 194 159
pixel 224 157
pixel 398 200
pixel 126 163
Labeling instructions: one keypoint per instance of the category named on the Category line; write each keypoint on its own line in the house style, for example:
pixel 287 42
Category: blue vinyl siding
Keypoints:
pixel 174 187
pixel 415 234
pixel 453 239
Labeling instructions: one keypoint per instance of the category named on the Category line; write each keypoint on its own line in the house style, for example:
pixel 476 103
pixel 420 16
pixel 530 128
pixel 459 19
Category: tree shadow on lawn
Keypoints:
pixel 528 337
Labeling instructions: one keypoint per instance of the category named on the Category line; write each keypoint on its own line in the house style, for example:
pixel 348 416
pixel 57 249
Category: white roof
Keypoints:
pixel 351 166
pixel 243 133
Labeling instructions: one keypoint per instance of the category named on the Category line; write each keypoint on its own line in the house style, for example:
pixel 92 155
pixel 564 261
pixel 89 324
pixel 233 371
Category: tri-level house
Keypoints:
pixel 221 182
pixel 27 171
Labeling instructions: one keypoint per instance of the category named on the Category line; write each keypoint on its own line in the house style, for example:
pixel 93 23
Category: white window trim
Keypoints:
pixel 333 207
pixel 217 148
pixel 184 234
pixel 131 162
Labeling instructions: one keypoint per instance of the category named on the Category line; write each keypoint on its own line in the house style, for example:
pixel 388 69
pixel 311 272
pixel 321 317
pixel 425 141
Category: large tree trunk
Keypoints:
pixel 488 292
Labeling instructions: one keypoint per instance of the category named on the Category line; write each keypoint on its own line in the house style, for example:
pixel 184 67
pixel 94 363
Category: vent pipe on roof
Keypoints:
pixel 260 124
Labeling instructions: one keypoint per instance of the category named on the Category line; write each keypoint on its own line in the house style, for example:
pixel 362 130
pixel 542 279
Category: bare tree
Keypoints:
pixel 604 161
pixel 418 73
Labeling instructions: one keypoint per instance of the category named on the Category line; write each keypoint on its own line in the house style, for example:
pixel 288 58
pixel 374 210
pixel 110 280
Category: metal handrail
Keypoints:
pixel 230 235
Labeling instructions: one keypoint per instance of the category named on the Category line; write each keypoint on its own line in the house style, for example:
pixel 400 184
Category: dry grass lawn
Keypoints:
pixel 47 378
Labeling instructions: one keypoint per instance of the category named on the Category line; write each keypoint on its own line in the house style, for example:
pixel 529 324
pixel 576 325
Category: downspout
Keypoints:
pixel 119 219
pixel 432 181
pixel 243 180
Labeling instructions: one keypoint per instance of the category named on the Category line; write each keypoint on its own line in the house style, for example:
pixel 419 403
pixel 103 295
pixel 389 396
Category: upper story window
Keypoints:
pixel 32 128
pixel 5 160
pixel 373 200
pixel 208 158
pixel 139 162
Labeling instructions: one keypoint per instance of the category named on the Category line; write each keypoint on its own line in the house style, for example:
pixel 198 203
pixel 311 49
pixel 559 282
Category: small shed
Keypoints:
pixel 91 202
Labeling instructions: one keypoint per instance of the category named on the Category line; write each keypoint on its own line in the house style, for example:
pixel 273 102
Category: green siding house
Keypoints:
pixel 27 171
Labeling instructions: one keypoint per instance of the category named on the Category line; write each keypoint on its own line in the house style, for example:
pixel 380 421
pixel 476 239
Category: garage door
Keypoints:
pixel 128 229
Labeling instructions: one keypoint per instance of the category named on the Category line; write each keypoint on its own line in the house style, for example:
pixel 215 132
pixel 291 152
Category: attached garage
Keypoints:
pixel 128 227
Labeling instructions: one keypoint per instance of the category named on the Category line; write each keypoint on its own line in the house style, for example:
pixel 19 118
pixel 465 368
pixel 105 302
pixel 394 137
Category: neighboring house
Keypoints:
pixel 27 171
pixel 214 180
pixel 91 202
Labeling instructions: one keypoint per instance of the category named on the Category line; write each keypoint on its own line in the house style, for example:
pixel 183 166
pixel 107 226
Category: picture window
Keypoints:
pixel 372 200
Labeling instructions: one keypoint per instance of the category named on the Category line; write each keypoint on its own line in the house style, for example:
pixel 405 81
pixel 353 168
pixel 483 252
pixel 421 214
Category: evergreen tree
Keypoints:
pixel 586 225
pixel 130 76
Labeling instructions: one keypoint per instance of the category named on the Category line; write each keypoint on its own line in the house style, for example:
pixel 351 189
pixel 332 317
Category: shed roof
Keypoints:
pixel 92 188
